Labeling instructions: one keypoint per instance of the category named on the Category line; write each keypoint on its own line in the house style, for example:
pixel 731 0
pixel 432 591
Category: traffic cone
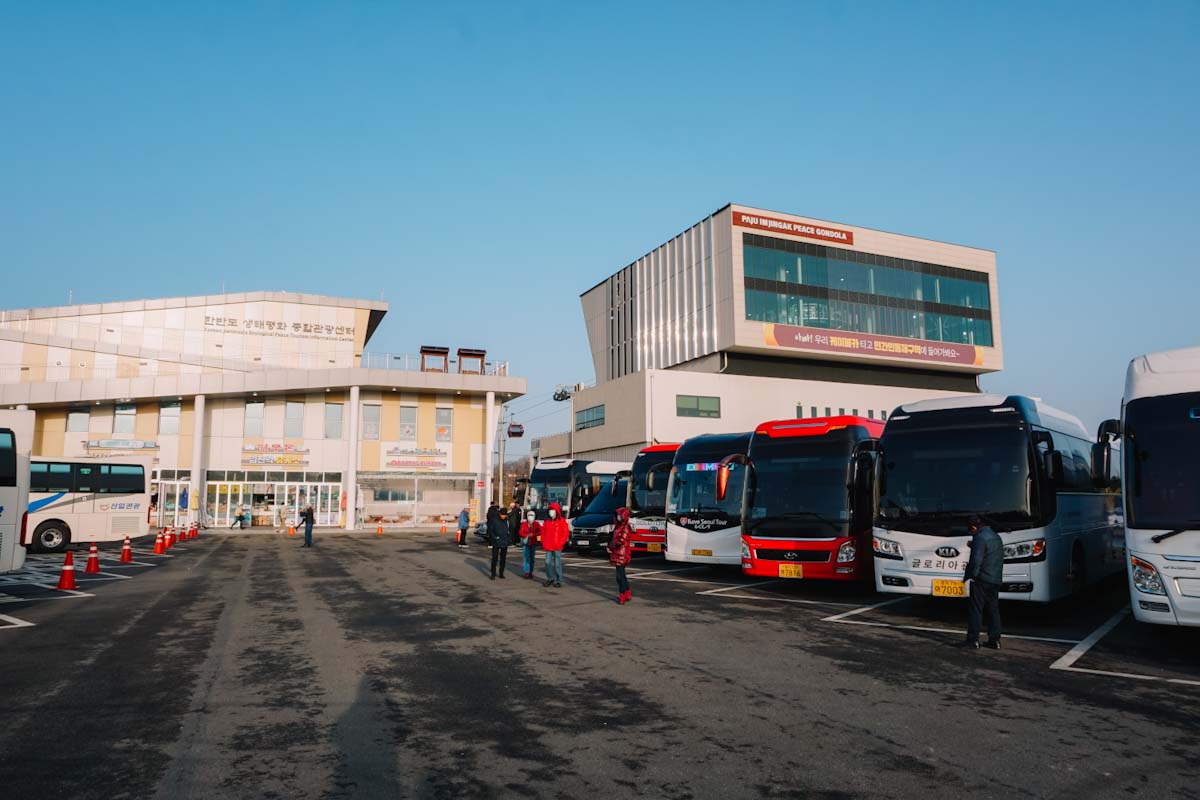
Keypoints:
pixel 195 531
pixel 93 562
pixel 126 552
pixel 66 578
pixel 291 529
pixel 159 547
pixel 379 529
pixel 443 527
pixel 168 540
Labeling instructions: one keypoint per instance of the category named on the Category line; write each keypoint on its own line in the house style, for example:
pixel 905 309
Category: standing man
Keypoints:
pixel 554 537
pixel 309 519
pixel 498 534
pixel 985 571
pixel 464 522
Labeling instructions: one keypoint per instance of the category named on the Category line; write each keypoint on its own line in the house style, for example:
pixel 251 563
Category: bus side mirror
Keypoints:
pixel 624 474
pixel 1101 464
pixel 1054 467
pixel 1109 429
pixel 723 470
pixel 652 475
pixel 863 488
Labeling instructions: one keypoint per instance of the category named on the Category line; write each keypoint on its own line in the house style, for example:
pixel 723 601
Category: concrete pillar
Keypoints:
pixel 489 441
pixel 196 491
pixel 352 448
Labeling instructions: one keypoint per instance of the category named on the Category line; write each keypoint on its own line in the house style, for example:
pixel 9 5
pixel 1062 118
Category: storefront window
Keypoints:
pixel 408 423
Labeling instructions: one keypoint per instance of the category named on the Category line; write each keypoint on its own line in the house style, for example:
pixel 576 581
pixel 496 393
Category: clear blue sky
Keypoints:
pixel 479 165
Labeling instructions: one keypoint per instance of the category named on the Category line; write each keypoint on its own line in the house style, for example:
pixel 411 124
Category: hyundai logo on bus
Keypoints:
pixel 947 552
pixel 791 555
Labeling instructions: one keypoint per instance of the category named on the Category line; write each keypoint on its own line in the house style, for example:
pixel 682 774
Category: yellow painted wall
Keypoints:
pixel 370 456
pixel 146 422
pixel 426 421
pixel 469 428
pixel 49 432
pixel 390 413
pixel 187 426
pixel 33 356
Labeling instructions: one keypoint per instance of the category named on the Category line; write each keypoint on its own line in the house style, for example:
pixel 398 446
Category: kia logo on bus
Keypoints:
pixel 947 552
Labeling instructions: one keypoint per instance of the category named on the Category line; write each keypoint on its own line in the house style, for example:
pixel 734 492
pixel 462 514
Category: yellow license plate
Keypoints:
pixel 702 553
pixel 654 547
pixel 791 570
pixel 949 589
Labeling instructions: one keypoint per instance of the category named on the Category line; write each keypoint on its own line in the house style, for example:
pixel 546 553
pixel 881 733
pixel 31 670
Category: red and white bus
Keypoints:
pixel 646 497
pixel 808 498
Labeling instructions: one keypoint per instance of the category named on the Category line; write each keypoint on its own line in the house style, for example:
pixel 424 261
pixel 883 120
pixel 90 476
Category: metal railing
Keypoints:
pixel 412 363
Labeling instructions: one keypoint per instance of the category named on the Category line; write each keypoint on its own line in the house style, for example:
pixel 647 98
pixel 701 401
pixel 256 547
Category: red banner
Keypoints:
pixel 776 225
pixel 830 341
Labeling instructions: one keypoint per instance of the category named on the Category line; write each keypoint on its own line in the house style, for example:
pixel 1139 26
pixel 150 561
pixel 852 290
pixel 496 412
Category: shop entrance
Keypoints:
pixel 170 511
pixel 272 504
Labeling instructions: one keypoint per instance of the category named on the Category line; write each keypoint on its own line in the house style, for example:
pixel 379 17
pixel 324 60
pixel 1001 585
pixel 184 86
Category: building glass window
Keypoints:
pixel 589 418
pixel 125 419
pixel 77 420
pixel 333 420
pixel 370 423
pixel 812 411
pixel 408 423
pixel 168 418
pixel 690 405
pixel 253 425
pixel 799 411
pixel 445 424
pixel 293 421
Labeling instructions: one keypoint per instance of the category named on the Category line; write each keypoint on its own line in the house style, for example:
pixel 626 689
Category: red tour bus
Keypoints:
pixel 646 496
pixel 808 500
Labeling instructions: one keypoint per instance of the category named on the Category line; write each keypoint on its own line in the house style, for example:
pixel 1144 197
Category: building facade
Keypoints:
pixel 264 400
pixel 751 315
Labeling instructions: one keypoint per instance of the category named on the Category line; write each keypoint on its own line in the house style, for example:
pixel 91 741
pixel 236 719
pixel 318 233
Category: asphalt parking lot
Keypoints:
pixel 391 666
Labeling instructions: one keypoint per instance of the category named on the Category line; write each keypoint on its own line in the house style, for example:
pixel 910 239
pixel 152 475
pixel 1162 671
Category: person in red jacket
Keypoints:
pixel 554 537
pixel 619 553
pixel 531 529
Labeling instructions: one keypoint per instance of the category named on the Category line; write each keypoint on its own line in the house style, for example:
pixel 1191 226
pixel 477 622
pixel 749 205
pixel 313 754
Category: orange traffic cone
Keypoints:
pixel 195 531
pixel 168 540
pixel 93 562
pixel 66 578
pixel 159 546
pixel 291 529
pixel 443 527
pixel 379 529
pixel 126 552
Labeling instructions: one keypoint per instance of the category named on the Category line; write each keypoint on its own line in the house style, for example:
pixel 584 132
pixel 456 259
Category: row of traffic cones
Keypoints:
pixel 163 541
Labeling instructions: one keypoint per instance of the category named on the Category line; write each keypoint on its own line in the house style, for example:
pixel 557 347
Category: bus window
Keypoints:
pixel 8 459
pixel 85 478
pixel 45 477
pixel 122 479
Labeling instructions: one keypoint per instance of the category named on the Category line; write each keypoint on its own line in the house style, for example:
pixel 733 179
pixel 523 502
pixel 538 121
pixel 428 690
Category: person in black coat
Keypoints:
pixel 500 538
pixel 985 571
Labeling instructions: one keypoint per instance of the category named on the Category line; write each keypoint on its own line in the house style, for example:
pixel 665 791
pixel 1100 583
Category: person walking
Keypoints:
pixel 464 522
pixel 985 571
pixel 529 532
pixel 239 517
pixel 306 516
pixel 554 537
pixel 500 538
pixel 619 553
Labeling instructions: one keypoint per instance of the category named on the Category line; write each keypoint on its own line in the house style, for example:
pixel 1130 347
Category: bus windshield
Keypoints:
pixel 645 501
pixel 1161 438
pixel 933 480
pixel 542 494
pixel 693 490
pixel 606 502
pixel 798 488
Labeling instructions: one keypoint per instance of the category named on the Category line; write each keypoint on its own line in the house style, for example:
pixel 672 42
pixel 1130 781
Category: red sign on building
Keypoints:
pixel 776 225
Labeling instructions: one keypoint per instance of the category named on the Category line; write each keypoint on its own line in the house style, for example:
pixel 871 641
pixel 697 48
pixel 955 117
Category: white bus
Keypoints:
pixel 1160 430
pixel 86 500
pixel 1023 467
pixel 702 528
pixel 16 439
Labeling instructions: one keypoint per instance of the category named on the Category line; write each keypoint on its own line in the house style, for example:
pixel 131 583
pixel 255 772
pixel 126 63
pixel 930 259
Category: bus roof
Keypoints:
pixel 1167 372
pixel 712 446
pixel 1031 409
pixel 660 448
pixel 818 426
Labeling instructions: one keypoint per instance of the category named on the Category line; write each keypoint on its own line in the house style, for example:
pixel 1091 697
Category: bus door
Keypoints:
pixel 87 482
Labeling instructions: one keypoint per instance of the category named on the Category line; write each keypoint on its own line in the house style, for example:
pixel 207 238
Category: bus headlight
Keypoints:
pixel 886 548
pixel 847 553
pixel 745 551
pixel 1145 577
pixel 1033 550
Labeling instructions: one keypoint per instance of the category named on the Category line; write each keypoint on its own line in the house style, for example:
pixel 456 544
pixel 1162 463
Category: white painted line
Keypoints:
pixel 864 609
pixel 66 594
pixel 13 622
pixel 781 599
pixel 742 586
pixel 959 633
pixel 1077 652
pixel 1130 675
pixel 664 571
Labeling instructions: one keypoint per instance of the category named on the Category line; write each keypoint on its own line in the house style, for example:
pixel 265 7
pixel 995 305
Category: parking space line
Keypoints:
pixel 780 599
pixel 740 585
pixel 1132 675
pixel 927 629
pixel 1077 652
pixel 864 609
pixel 64 594
pixel 666 571
pixel 13 622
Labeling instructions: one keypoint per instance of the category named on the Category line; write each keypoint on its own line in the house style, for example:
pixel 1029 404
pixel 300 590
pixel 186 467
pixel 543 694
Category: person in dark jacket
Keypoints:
pixel 619 554
pixel 464 522
pixel 514 522
pixel 307 517
pixel 529 532
pixel 985 571
pixel 498 535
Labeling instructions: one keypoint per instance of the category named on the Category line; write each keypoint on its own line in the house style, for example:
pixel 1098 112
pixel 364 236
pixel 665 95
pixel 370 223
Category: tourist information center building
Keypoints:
pixel 265 400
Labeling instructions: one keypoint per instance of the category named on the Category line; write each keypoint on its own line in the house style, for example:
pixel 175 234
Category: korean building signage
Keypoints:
pixel 831 341
pixel 272 327
pixel 416 458
pixel 121 444
pixel 278 455
pixel 274 448
pixel 776 225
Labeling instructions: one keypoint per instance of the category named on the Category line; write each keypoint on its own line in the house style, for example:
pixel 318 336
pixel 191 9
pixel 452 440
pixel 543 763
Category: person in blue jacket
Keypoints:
pixel 985 571
pixel 464 522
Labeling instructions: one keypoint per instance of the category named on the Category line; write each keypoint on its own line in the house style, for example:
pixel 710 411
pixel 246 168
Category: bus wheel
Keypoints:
pixel 1078 569
pixel 51 537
